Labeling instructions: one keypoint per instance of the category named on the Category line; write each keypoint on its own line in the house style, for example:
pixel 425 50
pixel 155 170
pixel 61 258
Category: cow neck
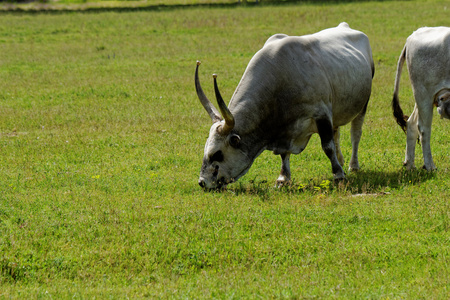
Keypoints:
pixel 252 123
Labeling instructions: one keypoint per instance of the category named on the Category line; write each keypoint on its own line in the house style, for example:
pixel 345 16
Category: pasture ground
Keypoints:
pixel 101 141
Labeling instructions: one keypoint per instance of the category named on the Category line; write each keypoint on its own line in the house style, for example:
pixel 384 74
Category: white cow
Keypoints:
pixel 292 88
pixel 427 55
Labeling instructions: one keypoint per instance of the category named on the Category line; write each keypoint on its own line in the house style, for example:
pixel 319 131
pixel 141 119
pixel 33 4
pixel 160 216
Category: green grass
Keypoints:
pixel 116 5
pixel 101 142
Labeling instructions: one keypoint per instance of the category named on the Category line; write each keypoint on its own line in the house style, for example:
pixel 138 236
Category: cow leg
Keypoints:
pixel 337 141
pixel 412 133
pixel 326 136
pixel 424 127
pixel 356 132
pixel 285 174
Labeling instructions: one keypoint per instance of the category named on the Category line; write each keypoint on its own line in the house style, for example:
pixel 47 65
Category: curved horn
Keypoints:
pixel 229 119
pixel 209 107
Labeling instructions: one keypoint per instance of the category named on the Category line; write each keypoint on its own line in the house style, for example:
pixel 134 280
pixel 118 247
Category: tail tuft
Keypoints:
pixel 398 113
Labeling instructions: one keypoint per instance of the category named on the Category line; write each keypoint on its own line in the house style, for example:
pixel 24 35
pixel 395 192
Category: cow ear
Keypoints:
pixel 234 140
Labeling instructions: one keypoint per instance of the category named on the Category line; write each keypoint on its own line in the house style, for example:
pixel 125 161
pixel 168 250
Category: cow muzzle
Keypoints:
pixel 216 184
pixel 443 106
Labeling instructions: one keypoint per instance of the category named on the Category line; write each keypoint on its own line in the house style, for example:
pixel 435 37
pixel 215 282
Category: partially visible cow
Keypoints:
pixel 292 88
pixel 427 55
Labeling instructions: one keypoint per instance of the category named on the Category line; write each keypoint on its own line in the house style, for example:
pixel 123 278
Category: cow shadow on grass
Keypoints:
pixel 369 181
pixel 361 182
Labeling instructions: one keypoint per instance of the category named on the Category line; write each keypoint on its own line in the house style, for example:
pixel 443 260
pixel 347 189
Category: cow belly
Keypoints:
pixel 294 138
pixel 350 104
pixel 342 116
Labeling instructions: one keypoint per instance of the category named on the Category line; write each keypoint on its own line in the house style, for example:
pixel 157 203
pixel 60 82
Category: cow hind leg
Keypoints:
pixel 424 128
pixel 325 129
pixel 285 174
pixel 412 133
pixel 355 133
pixel 337 141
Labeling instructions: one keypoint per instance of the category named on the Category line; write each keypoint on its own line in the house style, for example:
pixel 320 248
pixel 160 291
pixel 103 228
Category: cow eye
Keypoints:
pixel 234 140
pixel 218 156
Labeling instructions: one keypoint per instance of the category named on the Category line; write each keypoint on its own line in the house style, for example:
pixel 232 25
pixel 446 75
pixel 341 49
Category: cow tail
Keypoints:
pixel 397 110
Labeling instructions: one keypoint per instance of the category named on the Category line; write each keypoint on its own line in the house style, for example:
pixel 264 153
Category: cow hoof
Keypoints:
pixel 409 166
pixel 353 168
pixel 279 184
pixel 282 181
pixel 339 177
pixel 429 169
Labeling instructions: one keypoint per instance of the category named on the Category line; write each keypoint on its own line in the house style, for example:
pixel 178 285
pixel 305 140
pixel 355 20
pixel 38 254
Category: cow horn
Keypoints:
pixel 226 113
pixel 209 107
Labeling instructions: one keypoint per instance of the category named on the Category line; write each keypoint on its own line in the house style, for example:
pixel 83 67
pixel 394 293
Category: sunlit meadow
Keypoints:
pixel 101 142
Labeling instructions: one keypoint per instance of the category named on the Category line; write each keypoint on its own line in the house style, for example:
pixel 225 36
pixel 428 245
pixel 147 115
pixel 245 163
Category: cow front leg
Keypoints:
pixel 325 129
pixel 285 174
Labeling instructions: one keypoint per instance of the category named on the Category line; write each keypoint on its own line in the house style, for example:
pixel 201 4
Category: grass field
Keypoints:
pixel 119 5
pixel 101 142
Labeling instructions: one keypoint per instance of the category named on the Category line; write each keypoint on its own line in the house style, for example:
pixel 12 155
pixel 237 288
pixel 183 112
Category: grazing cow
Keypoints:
pixel 292 88
pixel 427 55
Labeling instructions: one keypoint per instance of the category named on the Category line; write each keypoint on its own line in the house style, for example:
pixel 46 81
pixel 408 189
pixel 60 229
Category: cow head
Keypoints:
pixel 225 159
pixel 443 105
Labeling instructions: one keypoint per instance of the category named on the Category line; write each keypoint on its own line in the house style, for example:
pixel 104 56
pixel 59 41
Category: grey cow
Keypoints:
pixel 427 55
pixel 292 88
